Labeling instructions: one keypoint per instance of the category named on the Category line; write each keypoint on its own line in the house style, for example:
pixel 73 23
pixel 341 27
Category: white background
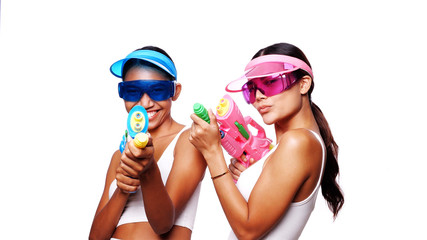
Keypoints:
pixel 61 117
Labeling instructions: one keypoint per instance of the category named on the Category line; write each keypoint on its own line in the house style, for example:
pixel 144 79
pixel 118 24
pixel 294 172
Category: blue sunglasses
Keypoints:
pixel 158 90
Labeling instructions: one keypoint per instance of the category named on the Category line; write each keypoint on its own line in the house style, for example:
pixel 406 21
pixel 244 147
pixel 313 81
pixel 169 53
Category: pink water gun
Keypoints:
pixel 236 139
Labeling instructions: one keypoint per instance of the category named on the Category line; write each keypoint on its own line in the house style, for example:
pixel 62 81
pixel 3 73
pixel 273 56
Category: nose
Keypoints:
pixel 259 95
pixel 146 101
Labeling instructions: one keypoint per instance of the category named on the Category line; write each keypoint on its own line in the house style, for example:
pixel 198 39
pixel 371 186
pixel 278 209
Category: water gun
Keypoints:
pixel 137 125
pixel 236 139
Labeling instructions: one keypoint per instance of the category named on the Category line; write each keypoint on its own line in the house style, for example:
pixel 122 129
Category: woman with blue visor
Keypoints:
pixel 151 193
pixel 274 196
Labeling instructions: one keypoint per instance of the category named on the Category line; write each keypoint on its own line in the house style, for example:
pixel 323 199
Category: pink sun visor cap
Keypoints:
pixel 268 65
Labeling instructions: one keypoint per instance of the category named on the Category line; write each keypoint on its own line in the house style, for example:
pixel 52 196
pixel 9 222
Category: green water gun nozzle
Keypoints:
pixel 201 112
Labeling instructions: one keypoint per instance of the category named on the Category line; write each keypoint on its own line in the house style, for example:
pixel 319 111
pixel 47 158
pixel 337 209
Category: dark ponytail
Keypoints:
pixel 331 191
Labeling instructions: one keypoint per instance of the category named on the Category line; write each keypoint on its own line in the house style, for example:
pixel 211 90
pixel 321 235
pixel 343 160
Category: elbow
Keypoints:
pixel 160 230
pixel 163 227
pixel 93 236
pixel 98 235
pixel 247 234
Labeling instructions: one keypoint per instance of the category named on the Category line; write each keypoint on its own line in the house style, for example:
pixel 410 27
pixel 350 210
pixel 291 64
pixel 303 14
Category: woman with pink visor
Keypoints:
pixel 274 197
pixel 151 193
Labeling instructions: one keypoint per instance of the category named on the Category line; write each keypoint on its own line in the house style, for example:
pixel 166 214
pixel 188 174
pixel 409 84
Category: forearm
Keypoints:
pixel 105 221
pixel 235 207
pixel 206 138
pixel 157 202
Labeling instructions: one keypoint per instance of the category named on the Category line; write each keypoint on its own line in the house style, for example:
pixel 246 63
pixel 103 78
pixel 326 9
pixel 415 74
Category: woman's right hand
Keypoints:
pixel 126 183
pixel 236 168
pixel 205 136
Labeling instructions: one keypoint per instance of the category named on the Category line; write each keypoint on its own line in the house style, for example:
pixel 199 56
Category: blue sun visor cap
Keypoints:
pixel 151 56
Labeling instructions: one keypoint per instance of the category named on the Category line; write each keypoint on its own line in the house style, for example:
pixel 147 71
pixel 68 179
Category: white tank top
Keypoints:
pixel 135 211
pixel 295 218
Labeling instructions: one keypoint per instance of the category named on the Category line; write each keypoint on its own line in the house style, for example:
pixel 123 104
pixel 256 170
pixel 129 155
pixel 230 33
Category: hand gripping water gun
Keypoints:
pixel 137 125
pixel 236 139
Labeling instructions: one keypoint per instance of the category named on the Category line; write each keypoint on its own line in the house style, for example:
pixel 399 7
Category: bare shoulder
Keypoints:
pixel 186 151
pixel 111 175
pixel 116 155
pixel 114 164
pixel 298 139
pixel 297 146
pixel 189 166
pixel 184 135
pixel 112 168
pixel 183 142
pixel 115 159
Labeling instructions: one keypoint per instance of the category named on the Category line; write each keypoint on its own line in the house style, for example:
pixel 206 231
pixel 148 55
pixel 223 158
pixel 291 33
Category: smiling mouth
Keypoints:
pixel 151 114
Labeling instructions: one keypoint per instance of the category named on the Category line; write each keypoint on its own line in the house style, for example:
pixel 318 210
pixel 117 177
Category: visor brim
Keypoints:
pixel 268 65
pixel 258 72
pixel 153 57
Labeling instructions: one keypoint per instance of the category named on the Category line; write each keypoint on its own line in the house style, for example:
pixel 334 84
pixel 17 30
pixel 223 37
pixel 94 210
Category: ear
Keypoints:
pixel 305 84
pixel 177 91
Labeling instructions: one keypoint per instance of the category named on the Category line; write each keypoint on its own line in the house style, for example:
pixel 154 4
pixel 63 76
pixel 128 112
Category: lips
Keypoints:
pixel 151 114
pixel 264 109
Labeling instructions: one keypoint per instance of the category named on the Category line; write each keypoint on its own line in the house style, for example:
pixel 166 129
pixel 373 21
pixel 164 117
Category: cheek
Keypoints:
pixel 164 108
pixel 129 105
pixel 167 104
pixel 288 103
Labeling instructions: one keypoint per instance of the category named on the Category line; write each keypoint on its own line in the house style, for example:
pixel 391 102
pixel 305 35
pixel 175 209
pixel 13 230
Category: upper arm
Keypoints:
pixel 281 179
pixel 187 171
pixel 111 175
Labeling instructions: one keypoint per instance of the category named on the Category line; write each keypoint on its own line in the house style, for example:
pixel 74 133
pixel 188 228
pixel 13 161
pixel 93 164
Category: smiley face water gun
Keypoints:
pixel 236 138
pixel 137 125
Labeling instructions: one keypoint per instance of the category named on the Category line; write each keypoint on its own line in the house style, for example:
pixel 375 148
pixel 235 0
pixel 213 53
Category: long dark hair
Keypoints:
pixel 331 191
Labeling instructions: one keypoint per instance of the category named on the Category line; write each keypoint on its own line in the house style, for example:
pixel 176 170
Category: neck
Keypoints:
pixel 167 127
pixel 304 118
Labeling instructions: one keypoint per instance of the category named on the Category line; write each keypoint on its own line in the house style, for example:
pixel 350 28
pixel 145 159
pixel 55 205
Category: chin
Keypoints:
pixel 152 125
pixel 268 120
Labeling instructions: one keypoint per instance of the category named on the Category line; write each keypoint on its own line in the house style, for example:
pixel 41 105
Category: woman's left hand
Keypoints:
pixel 236 168
pixel 204 136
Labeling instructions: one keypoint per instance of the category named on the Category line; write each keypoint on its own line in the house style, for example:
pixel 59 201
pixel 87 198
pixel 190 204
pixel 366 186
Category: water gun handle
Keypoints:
pixel 232 147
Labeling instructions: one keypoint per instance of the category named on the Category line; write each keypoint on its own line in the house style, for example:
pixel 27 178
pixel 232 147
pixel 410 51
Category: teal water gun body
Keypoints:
pixel 137 125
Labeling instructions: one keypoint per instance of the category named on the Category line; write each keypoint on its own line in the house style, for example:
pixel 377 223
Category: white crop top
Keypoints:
pixel 134 210
pixel 293 221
